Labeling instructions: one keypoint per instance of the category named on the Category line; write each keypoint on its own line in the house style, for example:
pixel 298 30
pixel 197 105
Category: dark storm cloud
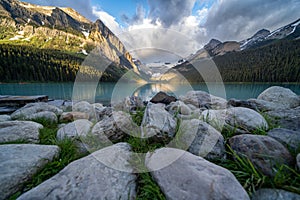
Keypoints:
pixel 137 18
pixel 236 19
pixel 170 12
pixel 82 6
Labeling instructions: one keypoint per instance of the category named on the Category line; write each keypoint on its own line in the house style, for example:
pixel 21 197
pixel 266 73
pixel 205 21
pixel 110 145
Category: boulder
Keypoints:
pixel 116 127
pixel 76 129
pixel 72 116
pixel 4 118
pixel 34 108
pixel 266 153
pixel 12 131
pixel 180 108
pixel 287 118
pixel 129 104
pixel 289 138
pixel 158 123
pixel 242 103
pixel 201 139
pixel 241 120
pixel 274 194
pixel 18 164
pixel 281 96
pixel 104 112
pixel 163 98
pixel 202 99
pixel 84 107
pixel 182 175
pixel 265 106
pixel 92 177
pixel 49 117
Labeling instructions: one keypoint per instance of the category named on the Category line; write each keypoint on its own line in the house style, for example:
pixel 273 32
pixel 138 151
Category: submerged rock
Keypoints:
pixel 266 153
pixel 92 177
pixel 192 177
pixel 11 131
pixel 18 164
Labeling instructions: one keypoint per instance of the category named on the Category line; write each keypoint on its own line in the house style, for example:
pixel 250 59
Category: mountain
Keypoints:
pixel 59 29
pixel 264 57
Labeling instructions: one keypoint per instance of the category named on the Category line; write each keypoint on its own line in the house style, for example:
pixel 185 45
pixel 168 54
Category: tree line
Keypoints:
pixel 276 62
pixel 19 63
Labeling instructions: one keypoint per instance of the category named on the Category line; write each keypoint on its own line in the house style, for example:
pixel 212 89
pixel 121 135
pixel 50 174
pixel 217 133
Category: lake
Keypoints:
pixel 104 92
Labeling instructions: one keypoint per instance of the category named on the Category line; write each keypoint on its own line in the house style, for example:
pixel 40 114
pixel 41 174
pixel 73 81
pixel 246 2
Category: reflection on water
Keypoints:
pixel 103 92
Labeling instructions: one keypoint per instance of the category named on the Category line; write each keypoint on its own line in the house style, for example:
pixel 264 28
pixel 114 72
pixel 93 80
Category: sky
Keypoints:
pixel 183 26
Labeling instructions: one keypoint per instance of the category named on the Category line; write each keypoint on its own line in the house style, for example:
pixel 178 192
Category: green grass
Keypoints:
pixel 138 116
pixel 148 188
pixel 251 179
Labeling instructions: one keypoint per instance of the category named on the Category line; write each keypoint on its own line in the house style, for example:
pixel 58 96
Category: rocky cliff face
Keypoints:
pixel 59 28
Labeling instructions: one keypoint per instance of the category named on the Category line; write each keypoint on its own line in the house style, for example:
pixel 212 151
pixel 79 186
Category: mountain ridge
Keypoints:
pixel 63 29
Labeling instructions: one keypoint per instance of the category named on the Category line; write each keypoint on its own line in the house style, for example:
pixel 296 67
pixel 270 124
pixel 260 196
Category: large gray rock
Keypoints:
pixel 92 177
pixel 287 118
pixel 280 95
pixel 266 153
pixel 182 175
pixel 128 104
pixel 202 99
pixel 18 163
pixel 86 107
pixel 158 123
pixel 104 112
pixel 265 106
pixel 290 139
pixel 12 131
pixel 201 139
pixel 274 194
pixel 34 108
pixel 76 129
pixel 45 115
pixel 241 120
pixel 180 108
pixel 116 127
pixel 4 118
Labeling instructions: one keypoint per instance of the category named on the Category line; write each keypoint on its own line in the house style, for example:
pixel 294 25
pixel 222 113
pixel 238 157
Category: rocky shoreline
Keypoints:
pixel 198 146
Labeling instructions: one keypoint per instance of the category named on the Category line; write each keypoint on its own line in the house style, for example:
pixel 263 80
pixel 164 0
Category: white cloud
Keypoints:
pixel 108 20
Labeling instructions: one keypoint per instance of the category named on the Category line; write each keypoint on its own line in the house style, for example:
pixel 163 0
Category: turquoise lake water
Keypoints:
pixel 104 92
